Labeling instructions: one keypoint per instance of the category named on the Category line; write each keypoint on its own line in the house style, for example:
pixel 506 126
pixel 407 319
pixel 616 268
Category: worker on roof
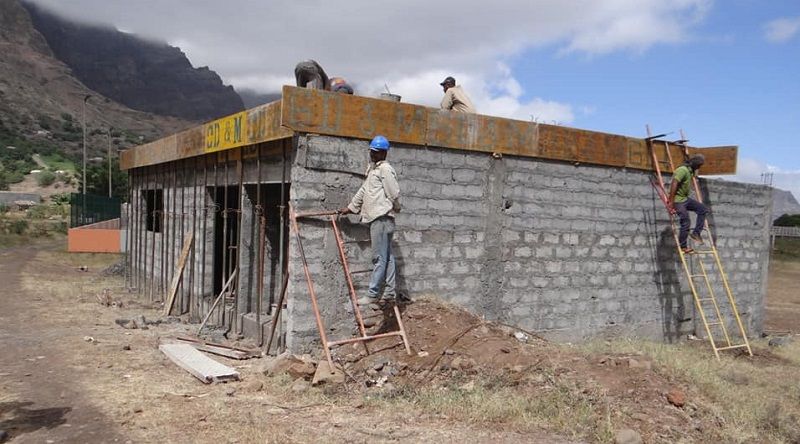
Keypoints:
pixel 340 85
pixel 309 74
pixel 680 202
pixel 455 98
pixel 377 201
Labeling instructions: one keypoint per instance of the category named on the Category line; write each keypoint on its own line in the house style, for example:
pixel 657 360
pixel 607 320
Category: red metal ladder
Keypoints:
pixel 364 337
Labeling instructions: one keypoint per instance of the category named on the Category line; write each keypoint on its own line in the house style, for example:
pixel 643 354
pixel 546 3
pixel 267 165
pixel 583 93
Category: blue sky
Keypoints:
pixel 725 71
pixel 728 84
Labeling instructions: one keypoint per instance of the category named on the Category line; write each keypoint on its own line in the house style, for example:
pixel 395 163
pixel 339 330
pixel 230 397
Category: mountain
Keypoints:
pixel 783 202
pixel 140 74
pixel 252 98
pixel 41 100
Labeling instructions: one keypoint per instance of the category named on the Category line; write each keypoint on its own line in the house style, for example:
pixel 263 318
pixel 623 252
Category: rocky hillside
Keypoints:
pixel 783 202
pixel 142 75
pixel 40 99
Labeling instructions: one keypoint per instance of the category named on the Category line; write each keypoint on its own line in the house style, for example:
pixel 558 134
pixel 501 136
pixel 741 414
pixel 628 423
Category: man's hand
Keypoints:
pixel 671 207
pixel 344 210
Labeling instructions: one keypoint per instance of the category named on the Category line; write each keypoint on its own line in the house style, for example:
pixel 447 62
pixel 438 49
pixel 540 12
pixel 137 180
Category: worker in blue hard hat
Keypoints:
pixel 377 201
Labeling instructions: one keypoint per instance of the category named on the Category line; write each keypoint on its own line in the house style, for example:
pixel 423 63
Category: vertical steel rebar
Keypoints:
pixel 260 214
pixel 182 184
pixel 171 247
pixel 225 272
pixel 162 280
pixel 192 292
pixel 152 283
pixel 139 231
pixel 205 225
pixel 128 233
pixel 238 308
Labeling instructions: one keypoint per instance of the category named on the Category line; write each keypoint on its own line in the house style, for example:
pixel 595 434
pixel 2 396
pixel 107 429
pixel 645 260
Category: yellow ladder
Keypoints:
pixel 701 302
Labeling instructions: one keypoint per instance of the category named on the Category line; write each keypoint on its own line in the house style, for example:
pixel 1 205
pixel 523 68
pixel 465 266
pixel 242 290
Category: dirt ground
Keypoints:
pixel 70 373
pixel 783 297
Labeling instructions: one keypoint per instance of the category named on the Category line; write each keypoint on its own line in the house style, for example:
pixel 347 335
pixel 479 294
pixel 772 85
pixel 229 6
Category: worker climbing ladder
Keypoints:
pixel 699 273
pixel 363 336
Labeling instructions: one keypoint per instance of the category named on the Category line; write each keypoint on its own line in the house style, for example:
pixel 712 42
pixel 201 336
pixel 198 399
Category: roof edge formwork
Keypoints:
pixel 303 110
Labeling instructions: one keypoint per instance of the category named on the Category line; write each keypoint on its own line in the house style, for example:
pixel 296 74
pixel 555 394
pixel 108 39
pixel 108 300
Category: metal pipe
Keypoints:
pixel 147 223
pixel 311 293
pixel 316 214
pixel 349 279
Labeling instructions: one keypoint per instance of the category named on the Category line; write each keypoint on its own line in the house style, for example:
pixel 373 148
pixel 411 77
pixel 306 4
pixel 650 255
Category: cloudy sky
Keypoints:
pixel 726 72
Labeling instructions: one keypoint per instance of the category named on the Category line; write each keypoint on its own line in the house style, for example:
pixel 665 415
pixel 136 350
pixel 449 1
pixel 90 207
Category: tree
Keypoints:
pixel 787 220
pixel 97 179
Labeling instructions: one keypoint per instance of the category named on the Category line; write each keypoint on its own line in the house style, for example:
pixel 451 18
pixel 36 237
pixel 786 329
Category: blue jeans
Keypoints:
pixel 683 209
pixel 381 231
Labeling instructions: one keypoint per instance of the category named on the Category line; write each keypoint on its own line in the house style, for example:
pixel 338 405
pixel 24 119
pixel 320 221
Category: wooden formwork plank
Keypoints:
pixel 199 365
pixel 321 112
pixel 176 278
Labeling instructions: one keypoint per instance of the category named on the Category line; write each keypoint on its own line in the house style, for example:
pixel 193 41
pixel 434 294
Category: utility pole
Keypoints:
pixel 109 162
pixel 85 99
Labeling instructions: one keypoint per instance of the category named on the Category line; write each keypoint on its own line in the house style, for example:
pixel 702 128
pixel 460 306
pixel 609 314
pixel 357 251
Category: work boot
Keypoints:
pixel 697 238
pixel 368 302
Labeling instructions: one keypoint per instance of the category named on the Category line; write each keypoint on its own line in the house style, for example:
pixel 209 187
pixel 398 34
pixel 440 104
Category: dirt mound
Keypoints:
pixel 453 348
pixel 444 339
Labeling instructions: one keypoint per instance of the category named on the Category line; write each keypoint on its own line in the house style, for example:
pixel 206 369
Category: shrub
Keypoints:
pixel 45 178
pixel 18 226
pixel 787 220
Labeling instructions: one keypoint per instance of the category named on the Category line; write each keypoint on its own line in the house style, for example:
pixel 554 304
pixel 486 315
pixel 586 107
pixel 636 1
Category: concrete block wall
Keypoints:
pixel 570 251
pixel 189 207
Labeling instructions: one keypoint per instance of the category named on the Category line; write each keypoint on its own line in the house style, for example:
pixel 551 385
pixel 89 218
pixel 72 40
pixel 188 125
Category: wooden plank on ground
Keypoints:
pixel 221 349
pixel 176 279
pixel 199 365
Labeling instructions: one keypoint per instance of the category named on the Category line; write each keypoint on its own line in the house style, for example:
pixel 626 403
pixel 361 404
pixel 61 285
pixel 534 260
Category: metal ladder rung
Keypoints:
pixel 731 347
pixel 697 275
pixel 361 271
pixel 713 323
pixel 704 299
pixel 702 252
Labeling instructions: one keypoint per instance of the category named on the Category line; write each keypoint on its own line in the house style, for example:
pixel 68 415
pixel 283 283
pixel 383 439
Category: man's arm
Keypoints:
pixel 447 100
pixel 356 202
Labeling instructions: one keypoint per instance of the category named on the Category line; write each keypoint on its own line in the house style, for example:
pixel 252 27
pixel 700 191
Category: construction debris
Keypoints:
pixel 293 365
pixel 199 365
pixel 221 349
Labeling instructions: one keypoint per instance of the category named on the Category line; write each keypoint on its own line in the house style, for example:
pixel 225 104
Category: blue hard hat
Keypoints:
pixel 379 143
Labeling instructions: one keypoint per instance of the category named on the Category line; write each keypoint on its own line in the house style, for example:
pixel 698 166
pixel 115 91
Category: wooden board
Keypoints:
pixel 320 112
pixel 304 110
pixel 173 287
pixel 257 125
pixel 199 365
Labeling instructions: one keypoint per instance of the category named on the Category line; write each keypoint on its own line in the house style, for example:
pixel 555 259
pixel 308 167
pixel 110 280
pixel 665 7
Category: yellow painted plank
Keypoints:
pixel 260 124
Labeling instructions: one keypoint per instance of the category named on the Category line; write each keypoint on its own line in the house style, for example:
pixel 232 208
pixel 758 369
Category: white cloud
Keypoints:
pixel 751 170
pixel 411 45
pixel 782 29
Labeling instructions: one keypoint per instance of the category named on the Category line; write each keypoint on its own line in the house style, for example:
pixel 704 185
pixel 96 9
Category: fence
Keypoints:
pixel 88 209
pixel 782 232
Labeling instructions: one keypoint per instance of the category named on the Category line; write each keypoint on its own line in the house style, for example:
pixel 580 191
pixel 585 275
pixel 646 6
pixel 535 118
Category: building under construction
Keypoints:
pixel 554 229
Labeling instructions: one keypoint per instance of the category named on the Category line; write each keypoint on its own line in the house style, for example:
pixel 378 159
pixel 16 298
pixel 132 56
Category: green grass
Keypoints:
pixel 787 248
pixel 752 400
pixel 57 162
